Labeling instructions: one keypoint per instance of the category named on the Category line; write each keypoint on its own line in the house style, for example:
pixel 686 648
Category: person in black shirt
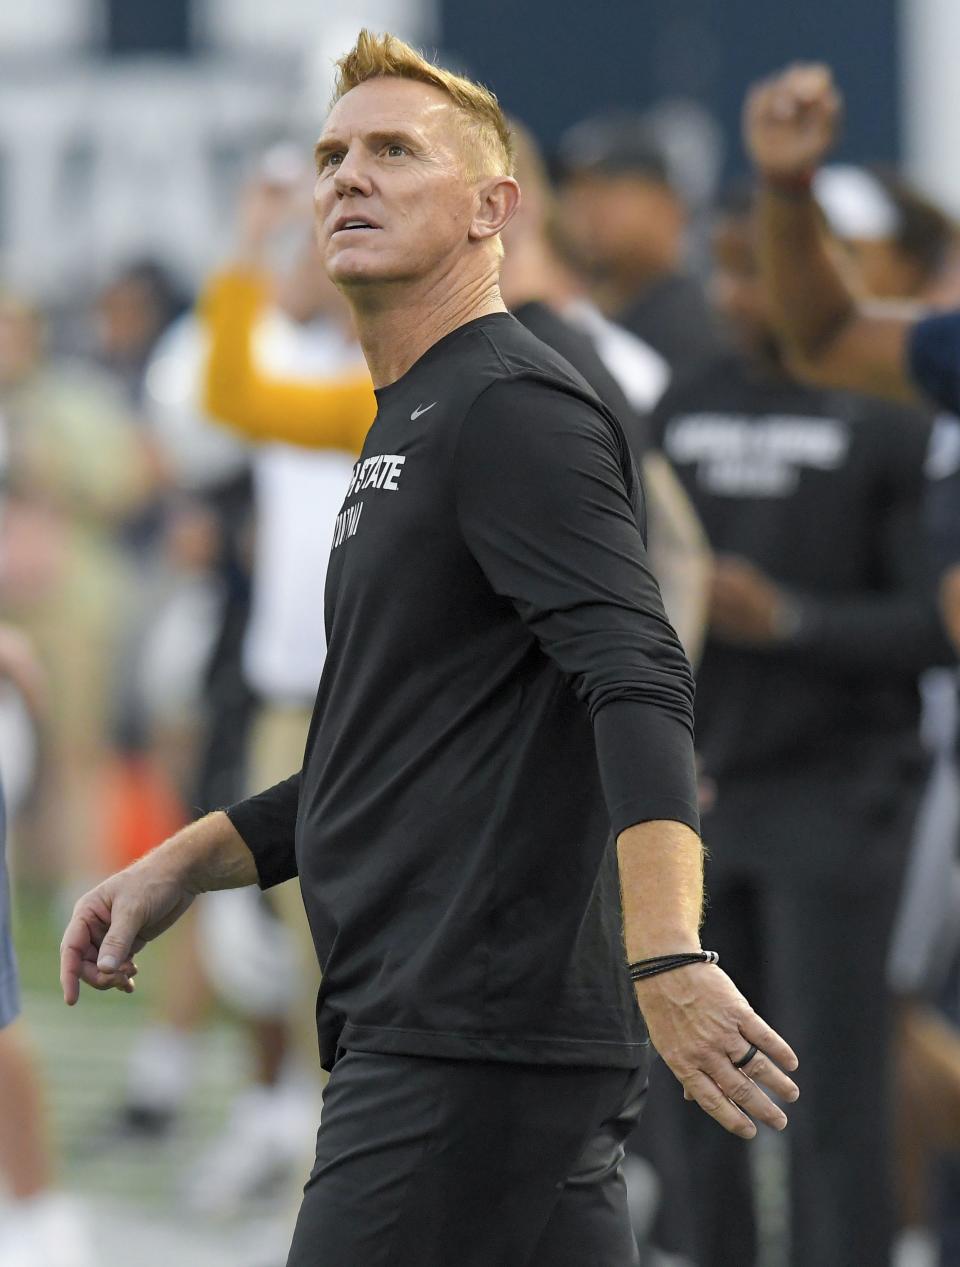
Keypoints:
pixel 821 619
pixel 502 691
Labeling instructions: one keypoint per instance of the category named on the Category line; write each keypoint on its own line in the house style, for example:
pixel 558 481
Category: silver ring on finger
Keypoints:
pixel 752 1051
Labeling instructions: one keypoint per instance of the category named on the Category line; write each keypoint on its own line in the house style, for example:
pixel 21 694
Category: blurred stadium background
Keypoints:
pixel 127 132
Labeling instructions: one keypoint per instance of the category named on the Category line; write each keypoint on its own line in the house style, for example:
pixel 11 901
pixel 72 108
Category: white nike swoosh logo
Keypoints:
pixel 421 409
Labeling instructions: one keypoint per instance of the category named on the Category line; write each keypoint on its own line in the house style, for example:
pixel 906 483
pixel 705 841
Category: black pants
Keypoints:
pixel 802 891
pixel 450 1163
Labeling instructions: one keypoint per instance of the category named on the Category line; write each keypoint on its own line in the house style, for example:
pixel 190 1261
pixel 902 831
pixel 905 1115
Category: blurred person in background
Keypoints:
pixel 259 323
pixel 822 617
pixel 836 334
pixel 540 291
pixel 625 222
pixel 76 470
pixel 132 311
pixel 900 243
pixel 904 247
pixel 130 315
pixel 262 324
pixel 39 1226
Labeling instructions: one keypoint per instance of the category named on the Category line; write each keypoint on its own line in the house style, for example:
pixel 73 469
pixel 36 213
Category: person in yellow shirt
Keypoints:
pixel 316 413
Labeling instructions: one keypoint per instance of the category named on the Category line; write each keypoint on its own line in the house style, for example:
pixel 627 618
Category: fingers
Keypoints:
pixel 97 949
pixel 762 1070
pixel 714 1101
pixel 70 961
pixel 121 980
pixel 742 1091
pixel 118 942
pixel 756 1030
pixel 78 939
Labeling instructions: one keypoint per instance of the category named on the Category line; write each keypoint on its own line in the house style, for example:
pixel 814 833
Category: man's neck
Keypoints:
pixel 397 324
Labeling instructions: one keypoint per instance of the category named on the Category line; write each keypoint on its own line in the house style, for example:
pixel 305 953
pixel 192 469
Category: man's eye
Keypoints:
pixel 396 151
pixel 331 160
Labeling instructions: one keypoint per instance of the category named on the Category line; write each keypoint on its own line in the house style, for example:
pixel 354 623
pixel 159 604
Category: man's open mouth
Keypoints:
pixel 353 226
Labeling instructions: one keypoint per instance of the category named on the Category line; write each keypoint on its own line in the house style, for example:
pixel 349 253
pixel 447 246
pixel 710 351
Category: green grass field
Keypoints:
pixel 132 1191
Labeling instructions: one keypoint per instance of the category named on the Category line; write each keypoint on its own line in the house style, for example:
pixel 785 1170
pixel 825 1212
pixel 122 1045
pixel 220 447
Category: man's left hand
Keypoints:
pixel 701 1025
pixel 746 607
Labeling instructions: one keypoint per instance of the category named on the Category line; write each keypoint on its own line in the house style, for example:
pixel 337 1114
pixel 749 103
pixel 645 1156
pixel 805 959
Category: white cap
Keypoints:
pixel 856 204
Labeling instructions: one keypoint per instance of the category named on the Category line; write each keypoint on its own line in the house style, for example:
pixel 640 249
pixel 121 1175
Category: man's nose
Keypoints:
pixel 352 176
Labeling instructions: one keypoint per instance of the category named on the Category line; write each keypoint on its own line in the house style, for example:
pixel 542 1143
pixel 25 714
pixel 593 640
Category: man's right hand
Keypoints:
pixel 791 121
pixel 115 920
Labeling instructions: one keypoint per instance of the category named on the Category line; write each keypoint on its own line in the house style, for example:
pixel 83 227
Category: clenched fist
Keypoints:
pixel 791 121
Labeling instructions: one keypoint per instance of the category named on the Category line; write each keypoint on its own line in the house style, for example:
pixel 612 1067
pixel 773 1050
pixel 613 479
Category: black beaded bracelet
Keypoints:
pixel 666 963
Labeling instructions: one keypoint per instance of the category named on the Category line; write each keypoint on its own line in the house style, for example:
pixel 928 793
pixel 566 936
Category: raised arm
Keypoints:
pixel 790 124
pixel 312 413
pixel 315 414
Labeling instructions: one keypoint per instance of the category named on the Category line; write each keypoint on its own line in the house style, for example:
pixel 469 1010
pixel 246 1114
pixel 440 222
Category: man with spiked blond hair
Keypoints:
pixel 504 712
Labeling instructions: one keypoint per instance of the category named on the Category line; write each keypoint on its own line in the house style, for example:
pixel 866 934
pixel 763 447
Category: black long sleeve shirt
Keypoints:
pixel 822 491
pixel 502 692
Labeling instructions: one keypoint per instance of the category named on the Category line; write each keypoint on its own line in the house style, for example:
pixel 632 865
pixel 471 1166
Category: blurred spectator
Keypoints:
pixel 42 1227
pixel 626 222
pixel 904 248
pixel 838 337
pixel 279 657
pixel 75 470
pixel 807 712
pixel 900 242
pixel 540 290
pixel 132 312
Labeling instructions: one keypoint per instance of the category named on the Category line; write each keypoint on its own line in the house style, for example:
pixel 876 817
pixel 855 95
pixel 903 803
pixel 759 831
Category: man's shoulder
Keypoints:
pixel 499 377
pixel 517 354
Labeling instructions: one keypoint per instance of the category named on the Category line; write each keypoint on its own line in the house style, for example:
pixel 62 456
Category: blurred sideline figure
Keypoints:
pixel 542 293
pixel 901 245
pixel 625 223
pixel 39 1226
pixel 807 733
pixel 248 343
pixel 75 471
pixel 905 248
pixel 295 494
pixel 904 350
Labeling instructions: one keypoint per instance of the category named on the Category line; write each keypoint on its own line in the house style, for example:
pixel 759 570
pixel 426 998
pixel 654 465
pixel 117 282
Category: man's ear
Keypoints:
pixel 497 200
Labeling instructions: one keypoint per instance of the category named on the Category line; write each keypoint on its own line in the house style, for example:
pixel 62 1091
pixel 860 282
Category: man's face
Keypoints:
pixel 627 220
pixel 391 159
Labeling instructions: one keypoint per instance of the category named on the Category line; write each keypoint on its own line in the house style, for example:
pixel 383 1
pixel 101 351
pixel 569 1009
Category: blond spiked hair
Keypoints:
pixel 488 145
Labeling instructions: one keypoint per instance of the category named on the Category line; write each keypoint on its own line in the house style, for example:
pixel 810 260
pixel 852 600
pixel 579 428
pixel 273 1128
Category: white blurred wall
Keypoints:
pixel 930 47
pixel 103 159
pixel 44 26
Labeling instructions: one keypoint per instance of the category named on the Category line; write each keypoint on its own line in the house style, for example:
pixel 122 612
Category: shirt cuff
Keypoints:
pixel 646 764
pixel 273 855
